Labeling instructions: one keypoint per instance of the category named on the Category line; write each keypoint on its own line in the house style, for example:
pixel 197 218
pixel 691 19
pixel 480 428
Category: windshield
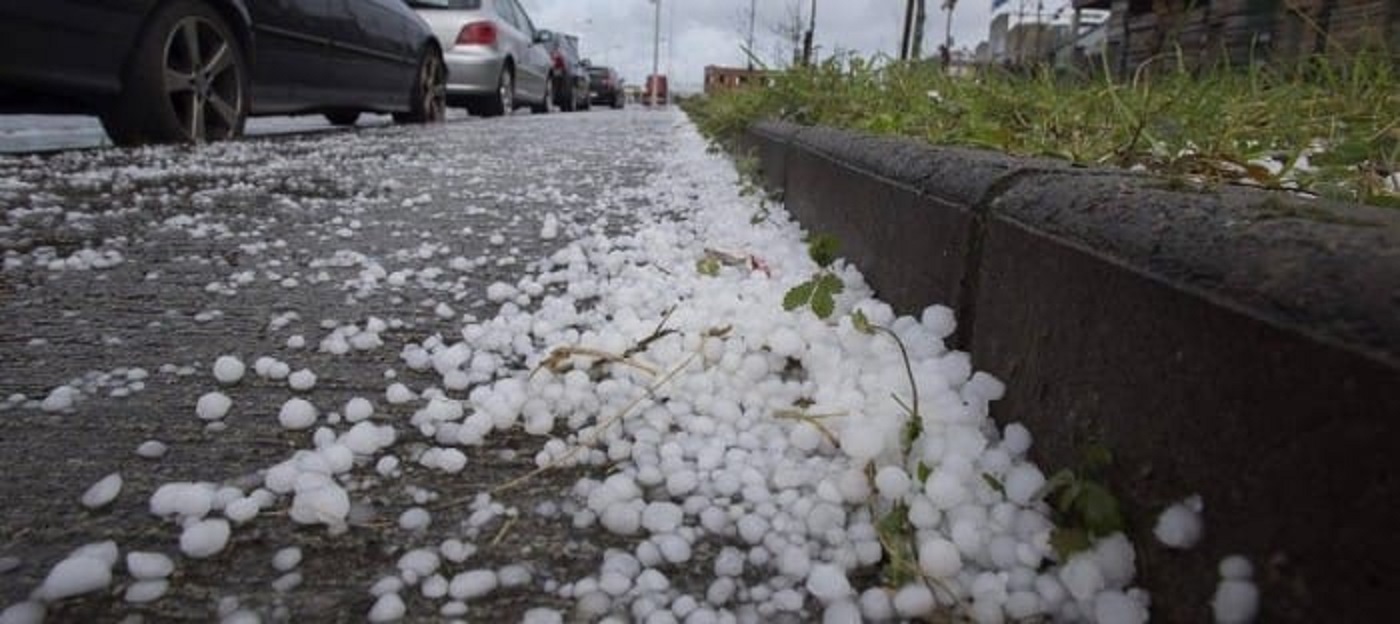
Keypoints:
pixel 445 4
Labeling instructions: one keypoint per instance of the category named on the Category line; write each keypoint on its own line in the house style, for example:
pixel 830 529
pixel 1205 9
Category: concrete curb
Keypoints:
pixel 1240 344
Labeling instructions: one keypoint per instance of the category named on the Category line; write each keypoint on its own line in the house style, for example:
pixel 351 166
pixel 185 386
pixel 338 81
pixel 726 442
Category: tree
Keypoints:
pixel 781 36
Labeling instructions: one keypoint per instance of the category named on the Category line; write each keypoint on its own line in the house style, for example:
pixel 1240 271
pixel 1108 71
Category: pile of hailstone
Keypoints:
pixel 740 423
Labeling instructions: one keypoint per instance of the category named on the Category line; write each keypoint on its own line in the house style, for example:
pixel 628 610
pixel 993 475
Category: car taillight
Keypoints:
pixel 477 33
pixel 558 60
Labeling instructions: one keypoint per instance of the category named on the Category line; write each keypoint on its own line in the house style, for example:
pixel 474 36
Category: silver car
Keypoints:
pixel 496 60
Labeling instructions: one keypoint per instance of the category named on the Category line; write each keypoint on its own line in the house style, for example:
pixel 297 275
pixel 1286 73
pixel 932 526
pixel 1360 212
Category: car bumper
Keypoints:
pixel 473 72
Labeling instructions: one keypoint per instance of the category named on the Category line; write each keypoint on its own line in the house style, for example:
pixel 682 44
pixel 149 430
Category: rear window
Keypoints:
pixel 445 4
pixel 598 74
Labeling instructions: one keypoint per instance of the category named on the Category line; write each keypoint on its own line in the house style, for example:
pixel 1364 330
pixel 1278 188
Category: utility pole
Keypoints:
pixel 908 30
pixel 807 38
pixel 949 5
pixel 654 82
pixel 753 18
pixel 920 14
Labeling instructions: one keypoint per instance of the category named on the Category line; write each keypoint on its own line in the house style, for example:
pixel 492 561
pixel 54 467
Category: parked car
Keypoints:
pixel 496 60
pixel 194 70
pixel 605 87
pixel 570 74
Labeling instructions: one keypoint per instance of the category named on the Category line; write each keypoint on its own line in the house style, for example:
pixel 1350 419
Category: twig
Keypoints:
pixel 505 528
pixel 656 334
pixel 813 420
pixel 558 357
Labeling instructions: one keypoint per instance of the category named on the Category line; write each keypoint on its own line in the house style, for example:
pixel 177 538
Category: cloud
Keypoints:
pixel 696 33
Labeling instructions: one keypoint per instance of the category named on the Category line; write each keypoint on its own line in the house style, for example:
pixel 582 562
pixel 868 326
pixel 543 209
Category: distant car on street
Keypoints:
pixel 497 60
pixel 194 70
pixel 605 87
pixel 570 74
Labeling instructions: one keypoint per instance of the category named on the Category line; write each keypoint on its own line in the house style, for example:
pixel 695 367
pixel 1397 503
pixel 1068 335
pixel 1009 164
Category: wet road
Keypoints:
pixel 128 272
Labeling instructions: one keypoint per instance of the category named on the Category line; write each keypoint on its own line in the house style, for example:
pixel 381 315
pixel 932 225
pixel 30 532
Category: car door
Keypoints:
pixel 374 48
pixel 292 43
pixel 531 58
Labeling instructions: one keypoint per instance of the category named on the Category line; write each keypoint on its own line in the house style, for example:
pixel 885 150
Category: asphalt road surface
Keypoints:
pixel 128 272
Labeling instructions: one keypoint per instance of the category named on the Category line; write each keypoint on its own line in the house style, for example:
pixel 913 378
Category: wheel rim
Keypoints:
pixel 433 98
pixel 507 92
pixel 203 81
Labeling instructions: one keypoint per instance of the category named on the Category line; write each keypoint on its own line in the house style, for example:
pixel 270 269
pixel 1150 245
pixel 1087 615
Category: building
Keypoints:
pixel 996 40
pixel 1242 32
pixel 719 78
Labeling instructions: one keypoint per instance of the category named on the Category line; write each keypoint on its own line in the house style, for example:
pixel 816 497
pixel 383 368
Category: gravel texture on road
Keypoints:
pixel 128 272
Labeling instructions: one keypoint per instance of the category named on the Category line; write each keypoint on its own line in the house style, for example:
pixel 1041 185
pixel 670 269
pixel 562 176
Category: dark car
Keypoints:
pixel 194 70
pixel 605 87
pixel 569 73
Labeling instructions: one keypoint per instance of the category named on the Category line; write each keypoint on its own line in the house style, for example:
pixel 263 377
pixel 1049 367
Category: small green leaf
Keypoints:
pixel 993 483
pixel 923 472
pixel 824 297
pixel 823 304
pixel 1067 542
pixel 861 323
pixel 1065 502
pixel 799 296
pixel 823 249
pixel 912 429
pixel 893 529
pixel 707 266
pixel 1098 508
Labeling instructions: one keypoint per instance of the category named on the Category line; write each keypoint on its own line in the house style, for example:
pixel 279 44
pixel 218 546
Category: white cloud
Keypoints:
pixel 697 33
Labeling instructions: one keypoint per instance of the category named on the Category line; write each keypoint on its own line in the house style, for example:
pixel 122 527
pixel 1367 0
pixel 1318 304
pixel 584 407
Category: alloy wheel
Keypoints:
pixel 433 97
pixel 507 93
pixel 203 85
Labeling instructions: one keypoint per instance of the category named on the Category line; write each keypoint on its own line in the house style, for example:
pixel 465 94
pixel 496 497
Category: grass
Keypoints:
pixel 1328 130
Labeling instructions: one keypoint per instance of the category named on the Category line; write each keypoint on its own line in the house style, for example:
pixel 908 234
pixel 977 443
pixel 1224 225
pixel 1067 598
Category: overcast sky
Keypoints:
pixel 709 32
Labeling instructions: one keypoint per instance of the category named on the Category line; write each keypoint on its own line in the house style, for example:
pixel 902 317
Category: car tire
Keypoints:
pixel 500 103
pixel 545 104
pixel 570 102
pixel 186 81
pixel 427 101
pixel 343 118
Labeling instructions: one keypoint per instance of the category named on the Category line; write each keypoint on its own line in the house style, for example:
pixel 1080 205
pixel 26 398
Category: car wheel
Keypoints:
pixel 500 103
pixel 343 118
pixel 428 100
pixel 570 103
pixel 186 81
pixel 548 101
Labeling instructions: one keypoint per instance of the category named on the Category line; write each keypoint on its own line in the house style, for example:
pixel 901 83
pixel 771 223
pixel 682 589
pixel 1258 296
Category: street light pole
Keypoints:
pixel 807 39
pixel 908 30
pixel 654 81
pixel 753 17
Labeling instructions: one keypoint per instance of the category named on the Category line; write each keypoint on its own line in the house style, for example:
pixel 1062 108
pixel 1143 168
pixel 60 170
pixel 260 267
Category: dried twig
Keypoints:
pixel 813 420
pixel 505 528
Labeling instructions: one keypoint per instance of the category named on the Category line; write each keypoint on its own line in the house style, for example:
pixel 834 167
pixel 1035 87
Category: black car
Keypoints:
pixel 605 87
pixel 194 70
